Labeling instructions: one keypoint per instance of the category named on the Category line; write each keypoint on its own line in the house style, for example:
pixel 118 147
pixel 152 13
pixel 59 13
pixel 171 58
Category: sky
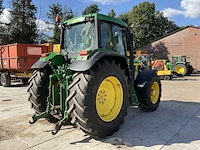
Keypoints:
pixel 182 12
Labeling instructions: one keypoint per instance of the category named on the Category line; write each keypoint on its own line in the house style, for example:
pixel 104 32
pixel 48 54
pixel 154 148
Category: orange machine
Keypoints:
pixel 16 61
pixel 52 47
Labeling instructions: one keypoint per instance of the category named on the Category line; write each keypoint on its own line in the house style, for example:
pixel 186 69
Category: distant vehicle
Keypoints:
pixel 163 69
pixel 16 61
pixel 181 66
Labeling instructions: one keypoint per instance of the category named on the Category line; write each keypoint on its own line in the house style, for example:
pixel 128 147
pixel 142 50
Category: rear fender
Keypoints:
pixel 39 64
pixel 84 65
pixel 55 59
pixel 143 77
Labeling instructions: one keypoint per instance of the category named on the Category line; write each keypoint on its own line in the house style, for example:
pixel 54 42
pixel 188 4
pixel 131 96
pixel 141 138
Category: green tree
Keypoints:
pixel 1 6
pixel 1 24
pixel 91 9
pixel 55 10
pixel 139 17
pixel 124 17
pixel 67 13
pixel 64 13
pixel 162 26
pixel 145 16
pixel 112 13
pixel 22 26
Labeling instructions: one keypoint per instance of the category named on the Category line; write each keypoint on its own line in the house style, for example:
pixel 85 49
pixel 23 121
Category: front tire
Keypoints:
pixel 38 92
pixel 190 70
pixel 168 77
pixel 148 90
pixel 98 99
pixel 5 79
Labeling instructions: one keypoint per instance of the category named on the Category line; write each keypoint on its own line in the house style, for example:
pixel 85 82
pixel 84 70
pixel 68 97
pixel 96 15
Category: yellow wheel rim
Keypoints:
pixel 180 70
pixel 155 91
pixel 109 99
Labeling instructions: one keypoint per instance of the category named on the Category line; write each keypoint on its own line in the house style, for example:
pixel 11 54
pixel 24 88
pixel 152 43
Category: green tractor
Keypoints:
pixel 91 82
pixel 181 66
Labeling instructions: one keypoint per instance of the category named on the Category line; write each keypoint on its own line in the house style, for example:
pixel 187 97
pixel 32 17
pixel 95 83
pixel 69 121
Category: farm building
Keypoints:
pixel 185 41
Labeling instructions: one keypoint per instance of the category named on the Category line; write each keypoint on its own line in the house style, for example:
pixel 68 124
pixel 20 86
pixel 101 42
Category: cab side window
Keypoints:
pixel 112 37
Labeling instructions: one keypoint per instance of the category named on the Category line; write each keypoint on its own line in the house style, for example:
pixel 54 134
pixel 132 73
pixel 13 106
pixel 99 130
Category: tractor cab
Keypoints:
pixel 178 58
pixel 81 37
pixel 92 32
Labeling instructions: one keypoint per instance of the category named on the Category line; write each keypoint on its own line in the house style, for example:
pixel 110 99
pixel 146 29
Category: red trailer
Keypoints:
pixel 16 61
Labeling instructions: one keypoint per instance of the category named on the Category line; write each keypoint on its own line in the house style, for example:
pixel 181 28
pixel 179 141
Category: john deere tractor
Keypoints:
pixel 181 66
pixel 91 82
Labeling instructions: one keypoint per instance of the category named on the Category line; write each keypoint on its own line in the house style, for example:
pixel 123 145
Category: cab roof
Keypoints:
pixel 96 16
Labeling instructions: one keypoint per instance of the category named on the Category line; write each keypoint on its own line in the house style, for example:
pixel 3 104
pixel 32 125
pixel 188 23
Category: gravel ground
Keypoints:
pixel 174 125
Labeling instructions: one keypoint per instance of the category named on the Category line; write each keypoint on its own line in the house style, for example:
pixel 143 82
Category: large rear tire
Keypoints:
pixel 148 90
pixel 38 91
pixel 5 79
pixel 190 70
pixel 98 99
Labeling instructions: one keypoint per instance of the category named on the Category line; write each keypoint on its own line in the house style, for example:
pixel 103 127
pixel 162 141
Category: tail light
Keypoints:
pixel 84 52
pixel 44 55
